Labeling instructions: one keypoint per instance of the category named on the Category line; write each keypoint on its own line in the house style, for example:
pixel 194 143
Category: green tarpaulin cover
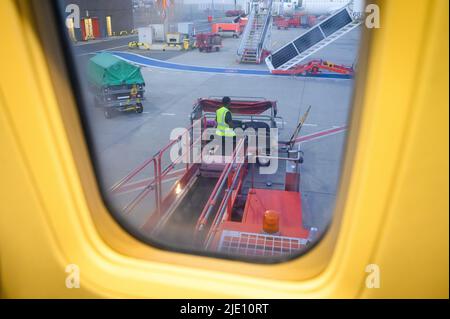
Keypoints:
pixel 105 69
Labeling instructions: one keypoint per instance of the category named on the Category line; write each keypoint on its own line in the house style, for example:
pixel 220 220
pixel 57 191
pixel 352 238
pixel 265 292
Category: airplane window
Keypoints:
pixel 216 127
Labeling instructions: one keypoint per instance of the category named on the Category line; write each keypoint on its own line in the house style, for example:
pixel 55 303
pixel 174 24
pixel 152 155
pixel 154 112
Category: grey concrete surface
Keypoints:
pixel 125 141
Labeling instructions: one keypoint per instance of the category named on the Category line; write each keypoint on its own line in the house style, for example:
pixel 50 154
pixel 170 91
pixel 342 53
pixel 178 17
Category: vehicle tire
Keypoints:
pixel 200 49
pixel 139 108
pixel 108 113
pixel 301 157
pixel 95 100
pixel 263 162
pixel 217 49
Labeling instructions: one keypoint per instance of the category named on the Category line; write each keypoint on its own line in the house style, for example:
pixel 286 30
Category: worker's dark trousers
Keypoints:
pixel 229 140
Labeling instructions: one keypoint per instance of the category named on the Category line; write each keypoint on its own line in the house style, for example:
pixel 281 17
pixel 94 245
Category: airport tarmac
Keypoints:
pixel 126 140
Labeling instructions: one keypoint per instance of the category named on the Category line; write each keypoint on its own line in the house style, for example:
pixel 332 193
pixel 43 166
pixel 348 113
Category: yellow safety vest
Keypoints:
pixel 222 128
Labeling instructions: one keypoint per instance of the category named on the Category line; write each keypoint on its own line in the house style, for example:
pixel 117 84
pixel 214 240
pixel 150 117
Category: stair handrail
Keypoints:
pixel 247 30
pixel 267 25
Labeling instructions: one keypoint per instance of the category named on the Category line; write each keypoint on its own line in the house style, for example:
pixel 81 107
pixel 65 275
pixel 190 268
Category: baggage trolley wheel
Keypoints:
pixel 301 157
pixel 108 112
pixel 139 108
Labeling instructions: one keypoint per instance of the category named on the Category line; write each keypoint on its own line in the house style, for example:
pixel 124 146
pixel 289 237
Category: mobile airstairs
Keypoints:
pixel 255 43
pixel 329 30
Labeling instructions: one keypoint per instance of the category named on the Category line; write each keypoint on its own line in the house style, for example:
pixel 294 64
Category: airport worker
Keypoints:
pixel 224 120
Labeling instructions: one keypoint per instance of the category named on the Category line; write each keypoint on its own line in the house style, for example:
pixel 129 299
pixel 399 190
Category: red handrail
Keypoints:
pixel 227 202
pixel 217 188
pixel 159 174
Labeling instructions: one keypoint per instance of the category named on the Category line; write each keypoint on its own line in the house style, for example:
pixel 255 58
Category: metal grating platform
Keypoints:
pixel 251 244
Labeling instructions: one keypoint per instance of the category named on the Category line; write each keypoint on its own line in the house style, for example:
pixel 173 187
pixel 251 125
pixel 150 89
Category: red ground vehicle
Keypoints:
pixel 227 29
pixel 242 23
pixel 294 22
pixel 315 67
pixel 226 207
pixel 282 23
pixel 208 42
pixel 312 20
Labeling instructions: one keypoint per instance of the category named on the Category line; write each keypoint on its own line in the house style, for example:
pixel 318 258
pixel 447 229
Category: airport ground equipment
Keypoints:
pixel 188 43
pixel 198 201
pixel 294 21
pixel 187 28
pixel 175 39
pixel 297 130
pixel 255 40
pixel 116 84
pixel 158 32
pixel 242 22
pixel 146 36
pixel 227 29
pixel 138 45
pixel 311 20
pixel 282 23
pixel 317 68
pixel 318 37
pixel 208 42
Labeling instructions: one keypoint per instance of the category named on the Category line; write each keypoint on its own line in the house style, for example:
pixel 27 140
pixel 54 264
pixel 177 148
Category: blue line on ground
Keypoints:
pixel 150 62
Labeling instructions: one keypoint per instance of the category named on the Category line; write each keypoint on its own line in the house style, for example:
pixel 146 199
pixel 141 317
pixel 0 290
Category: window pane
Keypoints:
pixel 216 127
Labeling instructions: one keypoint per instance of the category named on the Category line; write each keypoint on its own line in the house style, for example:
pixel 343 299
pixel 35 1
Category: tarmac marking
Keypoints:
pixel 96 51
pixel 320 134
pixel 141 184
pixel 155 63
pixel 310 124
pixel 79 44
pixel 168 114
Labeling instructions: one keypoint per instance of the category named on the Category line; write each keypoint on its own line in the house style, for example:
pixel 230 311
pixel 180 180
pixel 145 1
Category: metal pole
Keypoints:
pixel 158 185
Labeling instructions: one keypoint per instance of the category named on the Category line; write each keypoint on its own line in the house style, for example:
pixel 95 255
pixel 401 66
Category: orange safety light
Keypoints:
pixel 271 221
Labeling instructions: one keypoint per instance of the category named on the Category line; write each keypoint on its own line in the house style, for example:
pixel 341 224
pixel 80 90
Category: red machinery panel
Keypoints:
pixel 247 237
pixel 225 27
pixel 287 204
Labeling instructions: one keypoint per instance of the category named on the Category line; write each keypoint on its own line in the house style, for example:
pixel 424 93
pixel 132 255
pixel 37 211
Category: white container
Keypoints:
pixel 146 35
pixel 186 28
pixel 158 32
pixel 175 38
